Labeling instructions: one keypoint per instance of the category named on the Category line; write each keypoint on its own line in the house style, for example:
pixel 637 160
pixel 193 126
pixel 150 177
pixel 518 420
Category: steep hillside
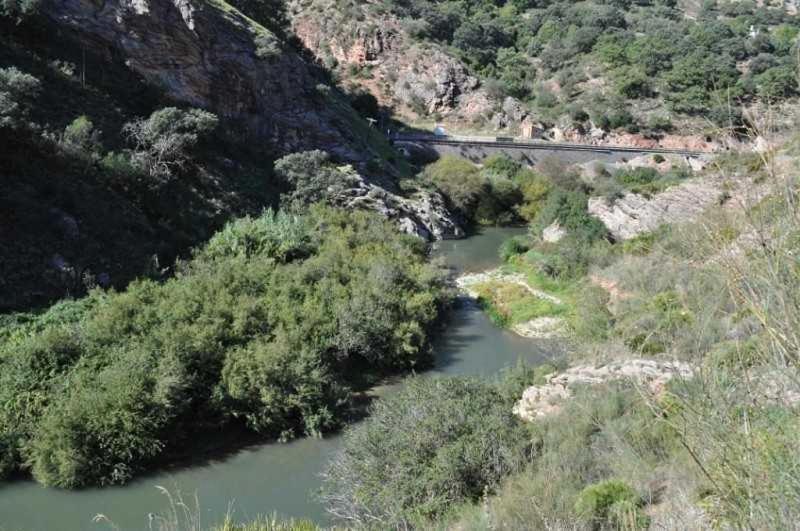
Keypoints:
pixel 570 71
pixel 676 406
pixel 108 173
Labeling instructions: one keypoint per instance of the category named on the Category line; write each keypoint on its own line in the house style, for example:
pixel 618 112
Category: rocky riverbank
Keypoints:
pixel 543 400
pixel 546 326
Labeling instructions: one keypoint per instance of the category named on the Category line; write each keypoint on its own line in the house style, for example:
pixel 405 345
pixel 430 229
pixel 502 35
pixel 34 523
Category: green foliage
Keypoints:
pixel 502 165
pixel 278 235
pixel 636 176
pixel 312 178
pixel 163 143
pixel 271 323
pixel 603 432
pixel 591 320
pixel 435 443
pixel 777 83
pixel 513 247
pixel 569 208
pixel 487 196
pixel 80 134
pixel 272 523
pixel 646 180
pixel 641 49
pixel 18 90
pixel 18 9
pixel 611 502
pixel 459 180
pixel 535 189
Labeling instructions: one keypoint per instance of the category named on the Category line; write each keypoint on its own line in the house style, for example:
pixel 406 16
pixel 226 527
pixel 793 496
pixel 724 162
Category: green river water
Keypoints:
pixel 280 478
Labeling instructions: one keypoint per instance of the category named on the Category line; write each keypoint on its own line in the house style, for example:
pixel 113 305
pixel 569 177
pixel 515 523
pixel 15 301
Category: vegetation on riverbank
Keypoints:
pixel 720 293
pixel 272 324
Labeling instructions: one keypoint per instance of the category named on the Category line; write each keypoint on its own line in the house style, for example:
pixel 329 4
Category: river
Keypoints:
pixel 275 477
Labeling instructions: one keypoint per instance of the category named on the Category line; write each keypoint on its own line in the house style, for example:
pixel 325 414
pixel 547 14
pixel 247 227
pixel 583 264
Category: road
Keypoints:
pixel 526 145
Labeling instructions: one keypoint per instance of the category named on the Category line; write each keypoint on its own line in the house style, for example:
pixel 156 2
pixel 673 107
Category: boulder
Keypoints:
pixel 554 232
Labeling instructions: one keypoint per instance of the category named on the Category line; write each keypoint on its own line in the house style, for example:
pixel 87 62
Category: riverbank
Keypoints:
pixel 513 300
pixel 279 477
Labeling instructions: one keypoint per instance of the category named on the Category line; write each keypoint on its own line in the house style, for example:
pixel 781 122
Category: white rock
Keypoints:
pixel 542 400
pixel 554 232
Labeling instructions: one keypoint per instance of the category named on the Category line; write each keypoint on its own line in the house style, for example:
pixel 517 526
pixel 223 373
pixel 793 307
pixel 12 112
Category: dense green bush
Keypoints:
pixel 267 324
pixel 513 247
pixel 611 503
pixel 163 142
pixel 646 180
pixel 434 444
pixel 17 92
pixel 279 235
pixel 642 49
pixel 486 196
pixel 312 178
pixel 569 208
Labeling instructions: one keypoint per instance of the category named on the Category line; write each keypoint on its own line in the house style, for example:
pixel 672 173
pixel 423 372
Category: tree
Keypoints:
pixel 777 83
pixel 17 92
pixel 80 134
pixel 459 180
pixel 784 37
pixel 164 141
pixel 18 9
pixel 313 178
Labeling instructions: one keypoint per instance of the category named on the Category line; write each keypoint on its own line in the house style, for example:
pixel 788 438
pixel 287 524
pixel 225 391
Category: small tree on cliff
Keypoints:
pixel 163 142
pixel 313 178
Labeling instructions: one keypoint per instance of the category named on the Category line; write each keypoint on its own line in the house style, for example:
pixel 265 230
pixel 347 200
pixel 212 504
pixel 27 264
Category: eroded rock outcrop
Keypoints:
pixel 543 400
pixel 635 214
pixel 402 73
pixel 423 213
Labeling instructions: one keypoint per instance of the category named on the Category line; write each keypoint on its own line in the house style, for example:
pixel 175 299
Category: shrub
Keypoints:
pixel 18 9
pixel 163 143
pixel 502 165
pixel 277 235
pixel 567 259
pixel 591 320
pixel 777 83
pixel 535 188
pixel 312 178
pixel 80 134
pixel 459 180
pixel 569 208
pixel 266 324
pixel 611 503
pixel 513 247
pixel 17 92
pixel 435 443
pixel 486 196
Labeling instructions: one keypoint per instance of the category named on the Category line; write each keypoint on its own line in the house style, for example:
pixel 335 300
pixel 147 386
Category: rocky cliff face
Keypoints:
pixel 208 55
pixel 405 75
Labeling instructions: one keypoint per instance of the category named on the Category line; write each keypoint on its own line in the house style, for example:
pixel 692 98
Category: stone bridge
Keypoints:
pixel 527 151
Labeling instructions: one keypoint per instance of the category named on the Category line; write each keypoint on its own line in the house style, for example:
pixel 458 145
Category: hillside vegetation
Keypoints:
pixel 654 67
pixel 712 450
